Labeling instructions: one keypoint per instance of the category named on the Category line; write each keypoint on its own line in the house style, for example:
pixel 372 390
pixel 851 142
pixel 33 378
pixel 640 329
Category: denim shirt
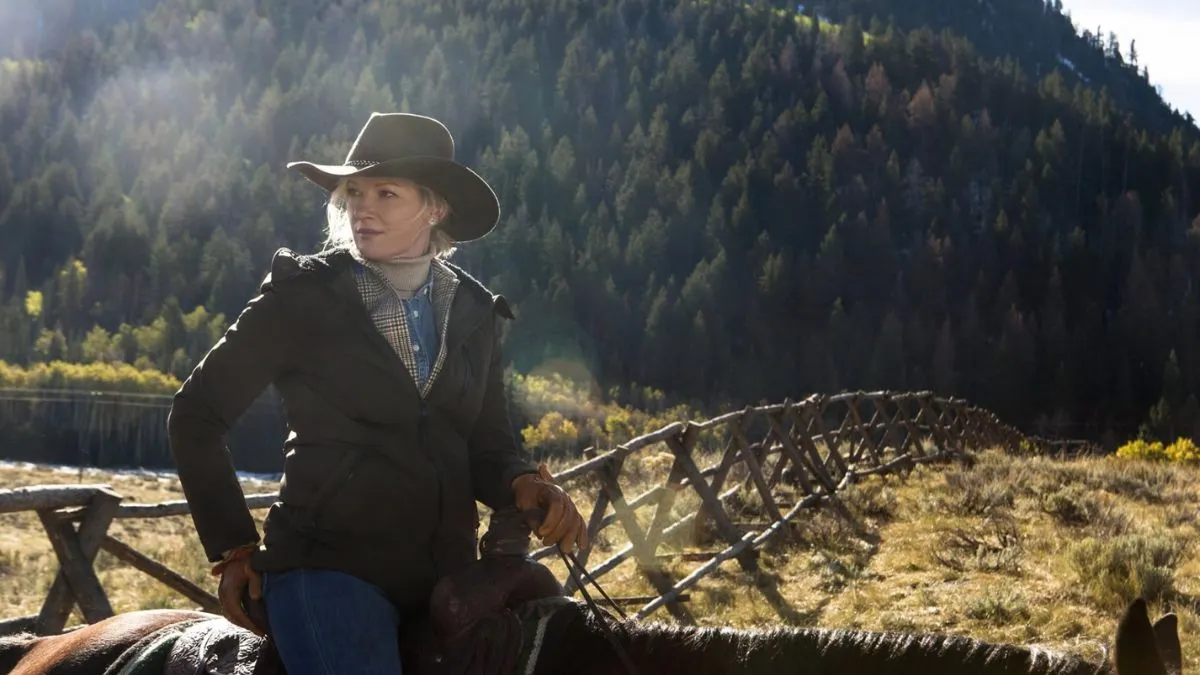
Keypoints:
pixel 422 329
pixel 409 324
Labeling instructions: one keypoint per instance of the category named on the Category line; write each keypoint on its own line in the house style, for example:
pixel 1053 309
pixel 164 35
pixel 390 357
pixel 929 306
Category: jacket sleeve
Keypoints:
pixel 237 369
pixel 496 458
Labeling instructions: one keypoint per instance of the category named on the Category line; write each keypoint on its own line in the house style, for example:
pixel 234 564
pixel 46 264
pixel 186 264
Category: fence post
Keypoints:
pixel 76 551
pixel 754 468
pixel 644 551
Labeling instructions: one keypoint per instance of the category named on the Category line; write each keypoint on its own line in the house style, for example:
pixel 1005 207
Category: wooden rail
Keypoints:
pixel 785 458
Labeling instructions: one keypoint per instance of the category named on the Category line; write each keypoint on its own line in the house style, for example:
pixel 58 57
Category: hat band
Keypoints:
pixel 361 163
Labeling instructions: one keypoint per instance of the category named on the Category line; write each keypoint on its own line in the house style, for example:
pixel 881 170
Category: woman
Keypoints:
pixel 388 362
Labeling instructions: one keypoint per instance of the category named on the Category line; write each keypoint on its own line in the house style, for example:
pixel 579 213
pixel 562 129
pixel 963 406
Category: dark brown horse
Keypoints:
pixel 575 642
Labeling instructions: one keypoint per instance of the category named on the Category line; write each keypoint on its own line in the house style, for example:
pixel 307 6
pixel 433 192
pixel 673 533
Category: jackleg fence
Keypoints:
pixel 774 462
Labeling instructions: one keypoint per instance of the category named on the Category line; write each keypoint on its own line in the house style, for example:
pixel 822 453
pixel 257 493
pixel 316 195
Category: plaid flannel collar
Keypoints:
pixel 390 319
pixel 374 289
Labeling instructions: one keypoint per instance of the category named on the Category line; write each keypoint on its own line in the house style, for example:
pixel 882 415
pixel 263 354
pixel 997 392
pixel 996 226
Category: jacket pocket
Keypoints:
pixel 379 497
pixel 341 495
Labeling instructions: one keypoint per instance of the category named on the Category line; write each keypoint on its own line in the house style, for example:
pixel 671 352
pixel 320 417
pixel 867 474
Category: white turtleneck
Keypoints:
pixel 406 275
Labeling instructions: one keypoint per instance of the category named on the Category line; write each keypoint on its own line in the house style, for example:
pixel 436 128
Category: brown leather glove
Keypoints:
pixel 562 525
pixel 237 580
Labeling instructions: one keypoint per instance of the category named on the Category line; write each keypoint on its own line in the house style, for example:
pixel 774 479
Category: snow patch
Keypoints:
pixel 161 475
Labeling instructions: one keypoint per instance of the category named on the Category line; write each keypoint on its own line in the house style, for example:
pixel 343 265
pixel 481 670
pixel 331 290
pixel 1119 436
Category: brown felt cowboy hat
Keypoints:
pixel 421 149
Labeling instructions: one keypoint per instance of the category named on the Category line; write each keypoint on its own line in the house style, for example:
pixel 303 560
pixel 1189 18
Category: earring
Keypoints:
pixel 432 221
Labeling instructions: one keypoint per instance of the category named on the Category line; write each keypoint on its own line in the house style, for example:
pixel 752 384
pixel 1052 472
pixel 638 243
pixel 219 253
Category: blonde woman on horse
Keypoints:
pixel 387 358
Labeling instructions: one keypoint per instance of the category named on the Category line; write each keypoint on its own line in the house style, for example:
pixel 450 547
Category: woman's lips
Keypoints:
pixel 366 232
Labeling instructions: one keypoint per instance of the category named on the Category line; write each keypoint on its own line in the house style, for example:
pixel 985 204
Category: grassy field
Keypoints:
pixel 1003 548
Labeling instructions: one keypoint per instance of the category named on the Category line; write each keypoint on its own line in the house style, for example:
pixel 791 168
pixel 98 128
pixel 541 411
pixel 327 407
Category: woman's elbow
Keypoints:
pixel 190 423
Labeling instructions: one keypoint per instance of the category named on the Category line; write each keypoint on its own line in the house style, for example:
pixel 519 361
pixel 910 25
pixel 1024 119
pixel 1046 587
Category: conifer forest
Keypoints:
pixel 727 202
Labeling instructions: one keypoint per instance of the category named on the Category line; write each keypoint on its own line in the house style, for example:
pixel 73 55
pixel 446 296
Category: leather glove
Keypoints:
pixel 562 525
pixel 239 580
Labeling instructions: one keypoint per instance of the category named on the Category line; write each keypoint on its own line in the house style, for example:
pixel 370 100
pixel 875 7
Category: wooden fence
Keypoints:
pixel 773 461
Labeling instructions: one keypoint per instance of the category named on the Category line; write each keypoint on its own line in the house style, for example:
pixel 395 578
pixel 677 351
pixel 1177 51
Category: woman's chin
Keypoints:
pixel 368 248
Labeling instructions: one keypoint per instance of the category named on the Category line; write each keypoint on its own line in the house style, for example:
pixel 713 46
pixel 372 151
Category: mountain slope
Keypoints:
pixel 713 200
pixel 1040 37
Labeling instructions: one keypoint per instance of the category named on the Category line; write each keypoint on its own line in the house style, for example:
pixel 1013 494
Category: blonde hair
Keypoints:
pixel 339 234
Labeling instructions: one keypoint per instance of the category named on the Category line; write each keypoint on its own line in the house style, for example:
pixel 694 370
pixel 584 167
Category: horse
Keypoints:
pixel 474 612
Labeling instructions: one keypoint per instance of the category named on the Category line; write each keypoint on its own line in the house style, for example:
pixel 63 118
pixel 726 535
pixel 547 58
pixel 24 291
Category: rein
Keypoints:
pixel 576 569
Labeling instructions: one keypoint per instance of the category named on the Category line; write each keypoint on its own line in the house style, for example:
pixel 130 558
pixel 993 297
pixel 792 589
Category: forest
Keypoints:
pixel 725 202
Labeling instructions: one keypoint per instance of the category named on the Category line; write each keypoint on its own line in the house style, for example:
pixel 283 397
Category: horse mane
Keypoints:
pixel 13 647
pixel 778 650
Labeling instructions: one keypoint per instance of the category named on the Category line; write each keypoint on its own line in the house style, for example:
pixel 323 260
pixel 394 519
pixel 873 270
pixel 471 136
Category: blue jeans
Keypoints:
pixel 325 622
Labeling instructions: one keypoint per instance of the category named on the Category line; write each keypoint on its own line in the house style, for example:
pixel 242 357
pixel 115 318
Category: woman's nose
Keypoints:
pixel 361 204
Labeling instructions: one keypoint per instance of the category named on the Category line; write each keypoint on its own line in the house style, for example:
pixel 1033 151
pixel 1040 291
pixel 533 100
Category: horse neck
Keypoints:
pixel 652 649
pixel 657 648
pixel 12 648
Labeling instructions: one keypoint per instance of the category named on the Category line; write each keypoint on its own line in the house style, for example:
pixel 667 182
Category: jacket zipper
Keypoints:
pixel 423 431
pixel 423 440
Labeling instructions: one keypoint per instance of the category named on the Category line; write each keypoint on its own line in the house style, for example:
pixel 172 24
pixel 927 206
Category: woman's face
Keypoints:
pixel 388 216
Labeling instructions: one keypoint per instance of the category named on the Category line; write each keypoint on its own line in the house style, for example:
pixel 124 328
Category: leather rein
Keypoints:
pixel 576 570
pixel 610 630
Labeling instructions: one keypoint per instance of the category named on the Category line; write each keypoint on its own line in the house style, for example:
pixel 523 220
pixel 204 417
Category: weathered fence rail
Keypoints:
pixel 776 460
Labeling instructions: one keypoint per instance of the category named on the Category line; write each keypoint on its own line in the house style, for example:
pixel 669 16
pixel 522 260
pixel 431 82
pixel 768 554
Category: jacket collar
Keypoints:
pixel 471 306
pixel 373 288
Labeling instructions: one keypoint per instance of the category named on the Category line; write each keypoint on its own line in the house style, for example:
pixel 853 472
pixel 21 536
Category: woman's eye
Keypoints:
pixel 387 193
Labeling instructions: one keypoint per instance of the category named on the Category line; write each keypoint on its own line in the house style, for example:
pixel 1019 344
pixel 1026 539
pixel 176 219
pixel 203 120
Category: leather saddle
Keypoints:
pixel 471 627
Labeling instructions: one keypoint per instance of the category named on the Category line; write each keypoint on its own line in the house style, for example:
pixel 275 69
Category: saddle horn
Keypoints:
pixel 503 577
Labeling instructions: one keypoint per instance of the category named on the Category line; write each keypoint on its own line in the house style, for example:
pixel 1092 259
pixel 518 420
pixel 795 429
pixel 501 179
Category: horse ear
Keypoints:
pixel 1136 651
pixel 1166 637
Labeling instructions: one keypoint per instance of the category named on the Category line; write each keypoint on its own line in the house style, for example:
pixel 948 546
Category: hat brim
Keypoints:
pixel 474 207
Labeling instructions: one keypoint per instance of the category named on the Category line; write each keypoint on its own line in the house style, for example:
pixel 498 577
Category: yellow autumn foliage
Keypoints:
pixel 571 418
pixel 1182 450
pixel 552 434
pixel 111 376
pixel 33 303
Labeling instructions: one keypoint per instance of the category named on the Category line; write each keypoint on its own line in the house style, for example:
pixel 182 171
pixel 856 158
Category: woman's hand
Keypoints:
pixel 238 580
pixel 562 525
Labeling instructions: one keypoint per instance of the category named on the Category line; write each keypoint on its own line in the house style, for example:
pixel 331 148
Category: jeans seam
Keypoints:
pixel 318 646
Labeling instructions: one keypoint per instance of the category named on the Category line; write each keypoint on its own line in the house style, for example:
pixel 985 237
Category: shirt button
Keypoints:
pixel 416 348
pixel 416 313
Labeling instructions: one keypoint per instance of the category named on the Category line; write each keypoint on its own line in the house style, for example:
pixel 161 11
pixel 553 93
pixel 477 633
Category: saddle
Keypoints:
pixel 473 627
pixel 199 647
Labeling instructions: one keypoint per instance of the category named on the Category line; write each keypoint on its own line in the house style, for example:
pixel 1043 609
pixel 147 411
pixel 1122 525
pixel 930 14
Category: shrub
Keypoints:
pixel 1113 571
pixel 1183 450
pixel 98 376
pixel 998 607
pixel 1070 505
pixel 1141 449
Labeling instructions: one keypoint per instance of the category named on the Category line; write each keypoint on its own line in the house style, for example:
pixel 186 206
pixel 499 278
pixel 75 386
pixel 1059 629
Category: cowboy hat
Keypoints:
pixel 420 149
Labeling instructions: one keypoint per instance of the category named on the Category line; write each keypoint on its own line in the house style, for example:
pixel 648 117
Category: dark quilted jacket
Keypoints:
pixel 377 481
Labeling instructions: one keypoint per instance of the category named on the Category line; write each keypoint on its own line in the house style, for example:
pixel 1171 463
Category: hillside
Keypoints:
pixel 709 199
pixel 1031 551
pixel 1041 37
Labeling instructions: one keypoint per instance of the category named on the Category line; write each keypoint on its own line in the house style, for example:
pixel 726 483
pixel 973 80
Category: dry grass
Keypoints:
pixel 28 565
pixel 1012 549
